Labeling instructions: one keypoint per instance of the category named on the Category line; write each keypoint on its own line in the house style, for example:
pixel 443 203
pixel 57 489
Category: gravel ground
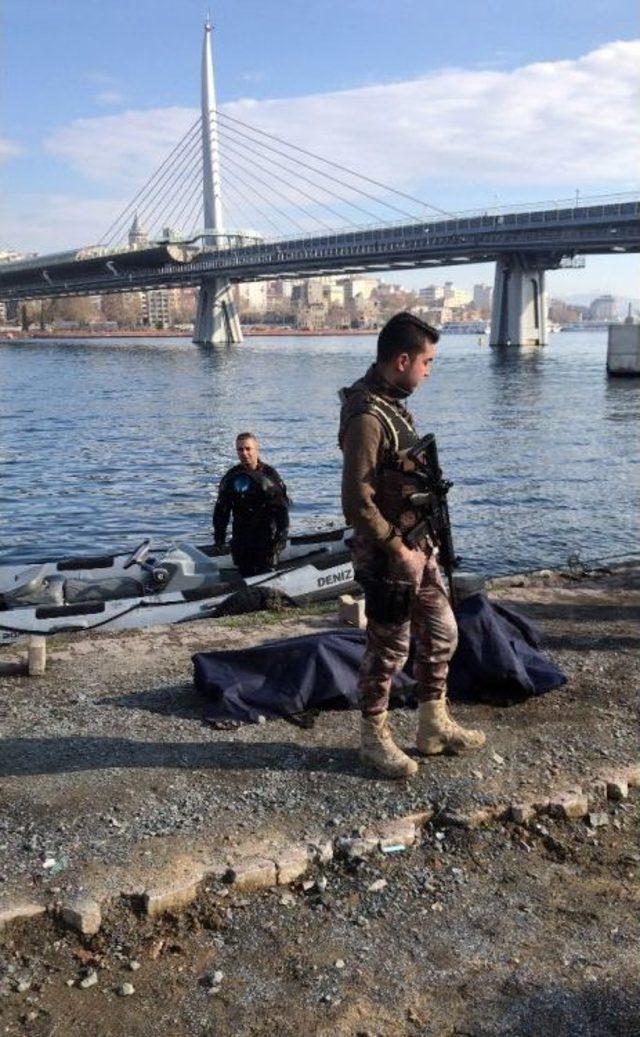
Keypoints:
pixel 107 771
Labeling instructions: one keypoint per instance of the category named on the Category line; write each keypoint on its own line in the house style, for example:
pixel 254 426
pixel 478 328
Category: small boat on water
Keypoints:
pixel 465 327
pixel 174 584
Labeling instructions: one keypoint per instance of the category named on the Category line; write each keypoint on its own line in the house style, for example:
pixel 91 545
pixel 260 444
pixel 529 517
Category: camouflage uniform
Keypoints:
pixel 374 428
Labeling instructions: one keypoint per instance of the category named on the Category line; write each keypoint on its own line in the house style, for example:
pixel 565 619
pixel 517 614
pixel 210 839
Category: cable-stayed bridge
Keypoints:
pixel 297 214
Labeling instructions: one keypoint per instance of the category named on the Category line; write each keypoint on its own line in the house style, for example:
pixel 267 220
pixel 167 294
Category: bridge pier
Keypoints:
pixel 519 315
pixel 217 322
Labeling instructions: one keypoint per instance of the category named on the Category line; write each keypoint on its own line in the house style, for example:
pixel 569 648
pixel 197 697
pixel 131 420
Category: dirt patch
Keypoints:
pixel 107 771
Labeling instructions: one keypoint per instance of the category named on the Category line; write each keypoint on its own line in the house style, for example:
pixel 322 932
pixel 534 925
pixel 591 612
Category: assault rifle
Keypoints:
pixel 431 504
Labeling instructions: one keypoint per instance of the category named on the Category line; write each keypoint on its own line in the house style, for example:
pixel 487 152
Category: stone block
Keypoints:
pixel 632 775
pixel 397 832
pixel 252 873
pixel 356 847
pixel 569 805
pixel 521 813
pixel 16 910
pixel 597 819
pixel 469 819
pixel 292 862
pixel 171 896
pixel 321 850
pixel 421 817
pixel 37 655
pixel 82 914
pixel 617 787
pixel 351 611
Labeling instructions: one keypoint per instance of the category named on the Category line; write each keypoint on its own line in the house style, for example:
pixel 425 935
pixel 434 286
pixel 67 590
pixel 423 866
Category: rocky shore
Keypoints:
pixel 505 909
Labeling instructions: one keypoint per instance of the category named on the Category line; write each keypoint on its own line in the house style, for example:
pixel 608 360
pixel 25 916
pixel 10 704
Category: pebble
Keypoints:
pixel 126 989
pixel 376 886
pixel 598 819
pixel 89 980
pixel 339 963
pixel 134 965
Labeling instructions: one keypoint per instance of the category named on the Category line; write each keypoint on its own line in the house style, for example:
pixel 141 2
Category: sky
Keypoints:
pixel 464 105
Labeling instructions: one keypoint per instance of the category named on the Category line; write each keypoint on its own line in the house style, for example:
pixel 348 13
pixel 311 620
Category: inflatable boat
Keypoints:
pixel 175 584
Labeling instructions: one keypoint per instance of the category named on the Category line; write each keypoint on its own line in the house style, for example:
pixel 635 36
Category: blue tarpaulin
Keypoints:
pixel 498 655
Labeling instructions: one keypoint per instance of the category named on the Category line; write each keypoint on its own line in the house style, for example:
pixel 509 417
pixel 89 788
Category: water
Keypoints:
pixel 105 442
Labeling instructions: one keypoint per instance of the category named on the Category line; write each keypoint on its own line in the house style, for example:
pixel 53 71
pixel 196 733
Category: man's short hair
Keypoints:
pixel 246 435
pixel 404 333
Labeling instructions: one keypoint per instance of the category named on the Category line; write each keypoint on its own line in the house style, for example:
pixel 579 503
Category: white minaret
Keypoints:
pixel 210 157
pixel 217 322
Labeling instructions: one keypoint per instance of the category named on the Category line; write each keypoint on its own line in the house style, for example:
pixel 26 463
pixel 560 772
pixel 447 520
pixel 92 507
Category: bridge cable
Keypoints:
pixel 288 183
pixel 173 210
pixel 234 164
pixel 150 180
pixel 148 212
pixel 172 215
pixel 145 211
pixel 229 185
pixel 172 193
pixel 192 192
pixel 269 183
pixel 335 165
pixel 286 216
pixel 332 194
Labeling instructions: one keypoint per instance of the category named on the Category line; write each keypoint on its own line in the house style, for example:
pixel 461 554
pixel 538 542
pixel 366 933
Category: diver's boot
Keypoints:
pixel 378 749
pixel 438 732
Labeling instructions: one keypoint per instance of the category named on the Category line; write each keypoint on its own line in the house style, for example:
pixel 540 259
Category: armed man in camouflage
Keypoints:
pixel 404 591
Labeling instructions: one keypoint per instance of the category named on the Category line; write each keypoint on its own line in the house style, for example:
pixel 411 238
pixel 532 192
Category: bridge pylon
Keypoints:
pixel 217 322
pixel 519 314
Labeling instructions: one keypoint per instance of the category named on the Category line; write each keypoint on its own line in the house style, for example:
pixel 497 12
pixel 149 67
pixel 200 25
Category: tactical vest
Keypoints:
pixel 393 484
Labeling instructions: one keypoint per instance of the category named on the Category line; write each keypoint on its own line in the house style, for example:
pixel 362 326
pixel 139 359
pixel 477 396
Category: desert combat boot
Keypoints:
pixel 439 733
pixel 378 749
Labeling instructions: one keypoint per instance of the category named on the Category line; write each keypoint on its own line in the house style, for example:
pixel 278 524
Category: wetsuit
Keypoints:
pixel 258 501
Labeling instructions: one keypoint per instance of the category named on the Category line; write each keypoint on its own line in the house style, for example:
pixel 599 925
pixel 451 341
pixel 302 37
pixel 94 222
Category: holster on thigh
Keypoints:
pixel 387 600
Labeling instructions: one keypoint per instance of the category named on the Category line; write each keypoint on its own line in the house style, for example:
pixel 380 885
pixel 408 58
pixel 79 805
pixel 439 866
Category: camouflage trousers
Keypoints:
pixel 396 611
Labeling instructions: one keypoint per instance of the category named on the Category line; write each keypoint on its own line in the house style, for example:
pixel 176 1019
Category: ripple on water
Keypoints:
pixel 107 441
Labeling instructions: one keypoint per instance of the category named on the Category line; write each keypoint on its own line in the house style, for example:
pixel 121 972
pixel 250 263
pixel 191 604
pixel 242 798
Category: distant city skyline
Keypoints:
pixel 502 111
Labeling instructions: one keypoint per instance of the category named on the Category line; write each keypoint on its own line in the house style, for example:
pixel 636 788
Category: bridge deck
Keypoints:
pixel 546 233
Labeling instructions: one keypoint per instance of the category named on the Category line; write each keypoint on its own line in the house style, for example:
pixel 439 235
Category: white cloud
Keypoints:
pixel 55 222
pixel 546 125
pixel 570 122
pixel 120 149
pixel 8 149
pixel 564 122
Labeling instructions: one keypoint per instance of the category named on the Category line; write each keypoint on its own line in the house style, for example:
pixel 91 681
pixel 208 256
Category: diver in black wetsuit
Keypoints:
pixel 257 497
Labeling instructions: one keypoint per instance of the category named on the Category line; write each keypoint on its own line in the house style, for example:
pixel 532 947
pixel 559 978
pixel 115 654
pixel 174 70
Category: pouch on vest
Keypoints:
pixel 387 601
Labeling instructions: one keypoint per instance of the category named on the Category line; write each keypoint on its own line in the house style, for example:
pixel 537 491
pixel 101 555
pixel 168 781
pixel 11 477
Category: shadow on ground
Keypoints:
pixel 20 757
pixel 595 1010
